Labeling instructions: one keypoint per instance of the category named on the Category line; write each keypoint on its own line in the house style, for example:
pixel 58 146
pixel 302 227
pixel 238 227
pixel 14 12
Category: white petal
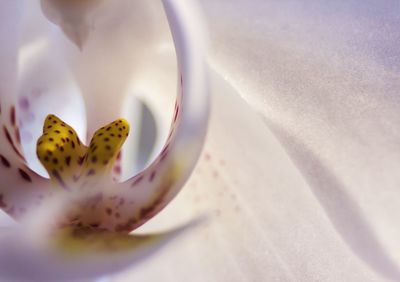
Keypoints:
pixel 20 187
pixel 121 57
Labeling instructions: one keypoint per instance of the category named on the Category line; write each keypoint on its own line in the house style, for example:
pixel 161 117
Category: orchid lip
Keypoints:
pixel 69 162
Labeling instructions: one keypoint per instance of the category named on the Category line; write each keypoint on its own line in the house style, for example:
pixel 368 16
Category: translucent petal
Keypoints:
pixel 75 254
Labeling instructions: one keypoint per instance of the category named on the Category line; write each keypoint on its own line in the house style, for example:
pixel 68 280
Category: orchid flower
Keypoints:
pixel 300 167
pixel 76 223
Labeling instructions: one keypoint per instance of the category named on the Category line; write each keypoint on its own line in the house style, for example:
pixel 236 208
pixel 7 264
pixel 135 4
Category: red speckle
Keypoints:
pixel 119 156
pixel 5 162
pixel 137 180
pixel 152 175
pixel 12 115
pixel 207 156
pixel 176 114
pixel 117 169
pixel 10 141
pixel 25 176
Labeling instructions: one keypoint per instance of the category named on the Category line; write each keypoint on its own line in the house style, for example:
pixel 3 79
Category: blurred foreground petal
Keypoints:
pixel 75 254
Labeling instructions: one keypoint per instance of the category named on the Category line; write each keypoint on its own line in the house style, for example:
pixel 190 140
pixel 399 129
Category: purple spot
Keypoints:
pixel 23 103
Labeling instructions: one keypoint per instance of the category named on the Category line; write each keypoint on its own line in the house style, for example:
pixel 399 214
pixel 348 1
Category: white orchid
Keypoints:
pixel 77 223
pixel 300 169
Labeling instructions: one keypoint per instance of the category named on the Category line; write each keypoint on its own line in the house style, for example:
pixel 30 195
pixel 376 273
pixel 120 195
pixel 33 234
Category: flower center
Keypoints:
pixel 69 162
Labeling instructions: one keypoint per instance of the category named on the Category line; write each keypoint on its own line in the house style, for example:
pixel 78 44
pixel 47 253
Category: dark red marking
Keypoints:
pixel 152 175
pixel 25 176
pixel 4 161
pixel 137 180
pixel 126 226
pixel 10 141
pixel 91 172
pixel 94 225
pixel 59 178
pixel 117 170
pixel 12 115
pixel 149 211
pixel 80 160
pixel 109 211
pixel 176 113
pixel 3 205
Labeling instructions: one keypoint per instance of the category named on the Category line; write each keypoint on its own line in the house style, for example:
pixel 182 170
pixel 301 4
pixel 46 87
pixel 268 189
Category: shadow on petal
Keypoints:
pixel 342 210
